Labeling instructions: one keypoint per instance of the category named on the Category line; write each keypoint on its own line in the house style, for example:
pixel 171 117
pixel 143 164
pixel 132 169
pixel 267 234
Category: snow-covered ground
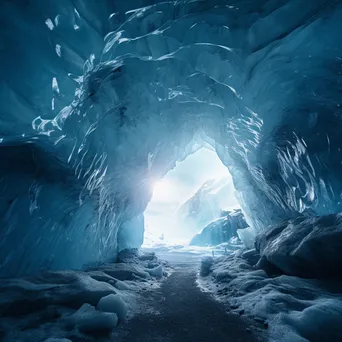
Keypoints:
pixel 88 305
pixel 77 305
pixel 293 309
pixel 183 252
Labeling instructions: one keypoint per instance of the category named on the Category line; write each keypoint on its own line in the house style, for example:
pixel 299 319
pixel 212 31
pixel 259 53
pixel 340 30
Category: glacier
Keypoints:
pixel 100 99
pixel 206 205
pixel 221 230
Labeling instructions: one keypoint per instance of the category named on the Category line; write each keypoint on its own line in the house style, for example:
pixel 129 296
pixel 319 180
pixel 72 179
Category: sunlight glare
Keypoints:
pixel 162 190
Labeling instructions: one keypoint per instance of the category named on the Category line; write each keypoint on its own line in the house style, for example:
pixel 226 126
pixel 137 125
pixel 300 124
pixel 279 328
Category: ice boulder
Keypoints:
pixel 247 236
pixel 113 303
pixel 309 247
pixel 156 271
pixel 89 320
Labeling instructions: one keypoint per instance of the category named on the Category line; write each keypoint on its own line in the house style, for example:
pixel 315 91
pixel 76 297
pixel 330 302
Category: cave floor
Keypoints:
pixel 179 311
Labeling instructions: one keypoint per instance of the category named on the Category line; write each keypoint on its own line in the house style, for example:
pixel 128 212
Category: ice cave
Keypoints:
pixel 106 105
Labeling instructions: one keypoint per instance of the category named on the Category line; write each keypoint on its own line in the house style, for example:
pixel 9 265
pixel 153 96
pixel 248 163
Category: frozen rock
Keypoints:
pixel 115 304
pixel 308 247
pixel 251 255
pixel 221 230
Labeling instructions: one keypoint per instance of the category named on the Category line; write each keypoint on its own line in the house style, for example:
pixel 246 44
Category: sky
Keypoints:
pixel 178 186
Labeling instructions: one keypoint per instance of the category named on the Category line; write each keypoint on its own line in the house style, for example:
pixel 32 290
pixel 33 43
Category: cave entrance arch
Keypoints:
pixel 187 198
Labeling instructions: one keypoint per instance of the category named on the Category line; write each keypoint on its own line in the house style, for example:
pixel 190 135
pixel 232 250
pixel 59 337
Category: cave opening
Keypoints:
pixel 197 191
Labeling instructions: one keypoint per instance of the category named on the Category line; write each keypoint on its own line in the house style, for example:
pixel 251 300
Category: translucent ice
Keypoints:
pixel 101 98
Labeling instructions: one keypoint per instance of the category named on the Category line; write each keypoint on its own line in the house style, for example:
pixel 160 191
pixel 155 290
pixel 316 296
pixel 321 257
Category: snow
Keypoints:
pixel 88 320
pixel 292 309
pixel 156 271
pixel 221 230
pixel 113 303
pixel 247 236
pixel 206 265
pixel 76 305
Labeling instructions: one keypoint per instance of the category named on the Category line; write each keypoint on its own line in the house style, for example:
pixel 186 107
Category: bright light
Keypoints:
pixel 162 221
pixel 163 190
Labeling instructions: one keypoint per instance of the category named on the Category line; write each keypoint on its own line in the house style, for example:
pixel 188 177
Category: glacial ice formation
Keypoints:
pixel 221 230
pixel 247 237
pixel 205 205
pixel 308 247
pixel 100 98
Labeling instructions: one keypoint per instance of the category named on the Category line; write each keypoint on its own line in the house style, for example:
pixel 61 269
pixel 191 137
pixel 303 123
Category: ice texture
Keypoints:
pixel 113 303
pixel 306 246
pixel 247 236
pixel 62 306
pixel 206 205
pixel 101 98
pixel 88 320
pixel 220 230
pixel 292 309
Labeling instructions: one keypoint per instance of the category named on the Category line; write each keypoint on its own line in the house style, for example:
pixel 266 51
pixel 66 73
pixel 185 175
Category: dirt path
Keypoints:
pixel 180 312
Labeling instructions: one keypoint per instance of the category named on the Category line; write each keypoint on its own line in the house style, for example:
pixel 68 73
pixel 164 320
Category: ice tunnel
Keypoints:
pixel 101 98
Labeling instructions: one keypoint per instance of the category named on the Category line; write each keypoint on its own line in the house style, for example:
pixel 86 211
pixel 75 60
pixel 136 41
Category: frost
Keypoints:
pixel 291 308
pixel 74 305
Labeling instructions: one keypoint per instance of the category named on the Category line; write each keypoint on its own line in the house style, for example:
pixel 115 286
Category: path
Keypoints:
pixel 180 312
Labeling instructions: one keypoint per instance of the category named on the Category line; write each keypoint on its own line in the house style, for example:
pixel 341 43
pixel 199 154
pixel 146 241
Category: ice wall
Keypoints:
pixel 100 98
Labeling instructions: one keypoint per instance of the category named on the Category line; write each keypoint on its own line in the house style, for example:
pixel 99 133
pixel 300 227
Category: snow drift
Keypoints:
pixel 287 308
